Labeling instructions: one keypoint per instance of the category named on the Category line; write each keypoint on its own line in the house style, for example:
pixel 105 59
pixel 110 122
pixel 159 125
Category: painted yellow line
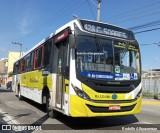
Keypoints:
pixel 152 103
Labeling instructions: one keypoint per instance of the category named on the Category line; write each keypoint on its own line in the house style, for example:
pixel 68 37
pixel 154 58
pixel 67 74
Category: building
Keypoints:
pixel 6 67
pixel 3 70
pixel 12 57
pixel 154 73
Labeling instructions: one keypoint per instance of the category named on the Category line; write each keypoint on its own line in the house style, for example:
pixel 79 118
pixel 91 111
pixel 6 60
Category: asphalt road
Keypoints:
pixel 28 114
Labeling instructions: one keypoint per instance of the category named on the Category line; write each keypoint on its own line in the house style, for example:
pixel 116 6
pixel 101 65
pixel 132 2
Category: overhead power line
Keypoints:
pixel 67 12
pixel 91 10
pixel 94 3
pixel 146 15
pixel 131 11
pixel 58 16
pixel 147 30
pixel 146 25
pixel 156 43
pixel 135 13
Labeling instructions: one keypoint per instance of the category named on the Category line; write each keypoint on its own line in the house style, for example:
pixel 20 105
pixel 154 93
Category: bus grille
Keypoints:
pixel 106 109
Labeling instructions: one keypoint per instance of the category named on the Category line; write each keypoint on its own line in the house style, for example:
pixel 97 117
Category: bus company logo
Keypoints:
pixel 34 80
pixel 114 96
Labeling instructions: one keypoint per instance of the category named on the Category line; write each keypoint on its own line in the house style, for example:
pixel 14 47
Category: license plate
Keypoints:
pixel 114 107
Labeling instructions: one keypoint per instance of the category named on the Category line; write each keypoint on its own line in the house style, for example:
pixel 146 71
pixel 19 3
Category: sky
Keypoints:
pixel 29 21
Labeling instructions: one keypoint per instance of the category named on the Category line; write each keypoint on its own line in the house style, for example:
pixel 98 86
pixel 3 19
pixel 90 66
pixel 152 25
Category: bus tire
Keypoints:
pixel 19 94
pixel 50 112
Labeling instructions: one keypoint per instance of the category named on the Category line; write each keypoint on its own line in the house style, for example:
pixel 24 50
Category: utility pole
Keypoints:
pixel 20 44
pixel 98 10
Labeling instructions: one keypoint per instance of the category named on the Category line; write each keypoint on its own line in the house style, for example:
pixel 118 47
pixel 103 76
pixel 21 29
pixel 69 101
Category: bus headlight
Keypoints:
pixel 80 93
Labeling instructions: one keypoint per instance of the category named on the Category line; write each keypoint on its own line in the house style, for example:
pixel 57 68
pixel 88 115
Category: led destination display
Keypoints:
pixel 106 29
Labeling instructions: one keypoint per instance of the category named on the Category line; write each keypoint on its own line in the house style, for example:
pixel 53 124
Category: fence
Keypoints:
pixel 151 88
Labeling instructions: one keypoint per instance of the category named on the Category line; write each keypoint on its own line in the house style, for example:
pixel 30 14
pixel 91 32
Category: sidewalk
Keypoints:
pixel 150 101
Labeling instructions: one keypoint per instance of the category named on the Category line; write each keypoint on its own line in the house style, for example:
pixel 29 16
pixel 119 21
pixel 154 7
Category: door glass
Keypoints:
pixel 62 62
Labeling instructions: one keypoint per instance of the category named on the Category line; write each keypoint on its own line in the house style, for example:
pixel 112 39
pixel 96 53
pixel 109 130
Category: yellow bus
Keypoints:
pixel 84 69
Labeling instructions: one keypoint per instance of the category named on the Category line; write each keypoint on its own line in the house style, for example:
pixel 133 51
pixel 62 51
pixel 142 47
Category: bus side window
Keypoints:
pixel 31 61
pixel 27 62
pixel 47 53
pixel 19 66
pixel 38 57
pixel 23 65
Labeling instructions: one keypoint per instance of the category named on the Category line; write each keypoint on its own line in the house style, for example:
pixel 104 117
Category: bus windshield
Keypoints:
pixel 104 59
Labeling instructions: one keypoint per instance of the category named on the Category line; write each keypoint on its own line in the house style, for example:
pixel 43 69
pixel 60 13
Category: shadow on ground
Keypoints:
pixel 113 123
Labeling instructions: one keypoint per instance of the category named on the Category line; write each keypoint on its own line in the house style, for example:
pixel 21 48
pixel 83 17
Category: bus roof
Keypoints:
pixel 69 24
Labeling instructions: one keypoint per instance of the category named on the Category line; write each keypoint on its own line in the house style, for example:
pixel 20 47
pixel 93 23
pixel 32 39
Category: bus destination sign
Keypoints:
pixel 106 29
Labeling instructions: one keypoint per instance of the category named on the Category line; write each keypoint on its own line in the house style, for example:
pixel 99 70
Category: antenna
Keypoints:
pixel 75 16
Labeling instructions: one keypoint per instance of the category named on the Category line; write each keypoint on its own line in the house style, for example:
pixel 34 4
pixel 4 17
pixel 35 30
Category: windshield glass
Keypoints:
pixel 99 58
pixel 127 61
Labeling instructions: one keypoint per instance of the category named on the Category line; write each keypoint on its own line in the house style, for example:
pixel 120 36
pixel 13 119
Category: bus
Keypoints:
pixel 83 69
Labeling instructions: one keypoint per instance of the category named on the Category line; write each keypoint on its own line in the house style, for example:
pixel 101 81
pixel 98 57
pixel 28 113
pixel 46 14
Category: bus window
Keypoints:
pixel 31 61
pixel 28 61
pixel 23 65
pixel 47 53
pixel 18 67
pixel 38 57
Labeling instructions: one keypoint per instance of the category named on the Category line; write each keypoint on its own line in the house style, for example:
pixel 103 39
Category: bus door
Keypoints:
pixel 61 75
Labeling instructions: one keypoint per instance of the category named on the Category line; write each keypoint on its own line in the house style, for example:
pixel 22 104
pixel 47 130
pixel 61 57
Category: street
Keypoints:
pixel 26 112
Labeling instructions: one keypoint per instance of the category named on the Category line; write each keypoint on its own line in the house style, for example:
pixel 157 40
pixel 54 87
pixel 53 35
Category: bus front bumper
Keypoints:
pixel 83 108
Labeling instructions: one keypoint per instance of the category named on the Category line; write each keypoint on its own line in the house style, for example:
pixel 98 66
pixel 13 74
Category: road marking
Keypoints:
pixel 149 102
pixel 10 120
pixel 7 118
pixel 146 122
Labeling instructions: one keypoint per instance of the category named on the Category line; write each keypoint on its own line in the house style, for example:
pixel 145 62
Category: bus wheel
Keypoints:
pixel 50 112
pixel 19 95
